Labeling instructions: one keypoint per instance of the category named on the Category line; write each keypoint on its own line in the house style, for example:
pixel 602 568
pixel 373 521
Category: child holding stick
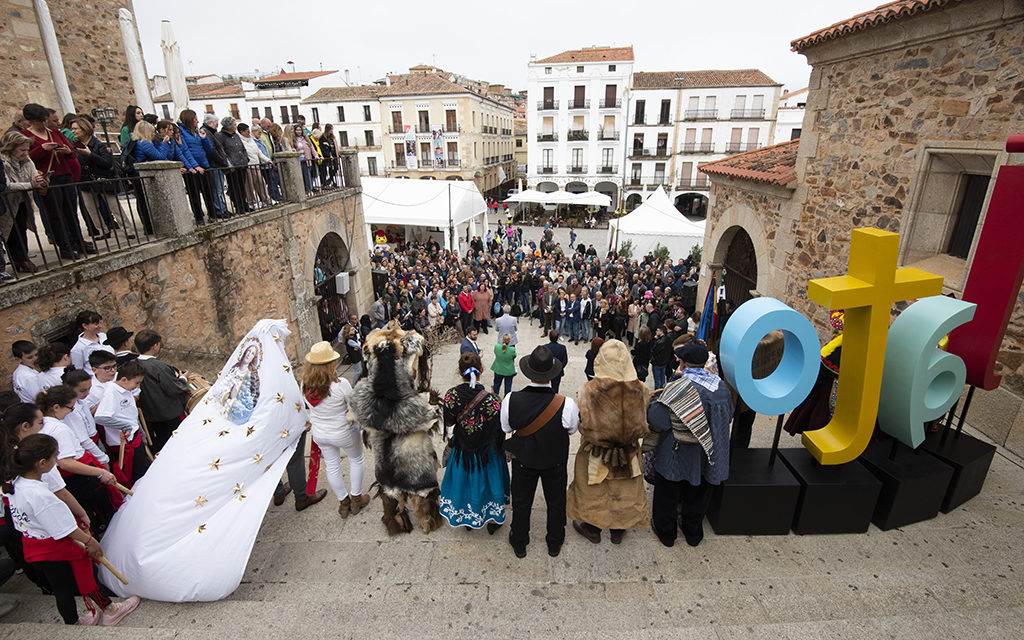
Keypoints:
pixel 80 419
pixel 119 415
pixel 50 533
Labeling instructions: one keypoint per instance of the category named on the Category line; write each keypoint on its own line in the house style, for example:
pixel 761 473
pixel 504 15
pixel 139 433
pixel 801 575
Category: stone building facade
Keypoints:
pixel 90 44
pixel 908 111
pixel 204 289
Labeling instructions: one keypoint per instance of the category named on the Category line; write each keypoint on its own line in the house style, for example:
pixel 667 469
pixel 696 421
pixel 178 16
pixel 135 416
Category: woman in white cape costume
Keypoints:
pixel 187 532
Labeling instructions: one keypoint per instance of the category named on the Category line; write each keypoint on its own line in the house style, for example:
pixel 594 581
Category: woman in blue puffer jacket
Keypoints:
pixel 147 147
pixel 197 182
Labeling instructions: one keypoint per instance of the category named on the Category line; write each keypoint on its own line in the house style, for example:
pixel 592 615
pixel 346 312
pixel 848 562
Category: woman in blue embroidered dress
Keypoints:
pixel 475 487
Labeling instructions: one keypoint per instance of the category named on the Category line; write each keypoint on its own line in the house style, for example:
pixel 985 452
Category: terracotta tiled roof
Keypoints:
pixel 298 75
pixel 878 15
pixel 772 165
pixel 701 79
pixel 208 91
pixel 593 54
pixel 519 126
pixel 421 84
pixel 790 94
pixel 342 94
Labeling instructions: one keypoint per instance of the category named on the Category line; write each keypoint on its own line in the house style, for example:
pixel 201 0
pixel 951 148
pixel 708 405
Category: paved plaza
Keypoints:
pixel 314 575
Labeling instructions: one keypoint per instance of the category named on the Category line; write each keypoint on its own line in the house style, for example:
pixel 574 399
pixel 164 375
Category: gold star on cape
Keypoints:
pixel 279 398
pixel 215 464
pixel 174 433
pixel 238 488
pixel 223 433
pixel 201 528
pixel 277 338
pixel 256 458
pixel 268 467
pixel 207 421
pixel 308 424
pixel 241 497
pixel 287 369
pixel 249 431
pixel 284 434
pixel 200 501
pixel 298 406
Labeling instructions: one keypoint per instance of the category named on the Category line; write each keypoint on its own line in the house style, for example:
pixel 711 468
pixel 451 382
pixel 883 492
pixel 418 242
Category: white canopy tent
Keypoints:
pixel 655 222
pixel 421 203
pixel 591 198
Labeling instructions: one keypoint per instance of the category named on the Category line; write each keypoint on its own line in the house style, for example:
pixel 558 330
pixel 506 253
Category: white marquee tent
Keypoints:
pixel 590 198
pixel 421 203
pixel 655 222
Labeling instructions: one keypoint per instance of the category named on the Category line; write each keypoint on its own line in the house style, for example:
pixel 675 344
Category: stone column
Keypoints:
pixel 136 65
pixel 165 194
pixel 53 56
pixel 350 167
pixel 292 187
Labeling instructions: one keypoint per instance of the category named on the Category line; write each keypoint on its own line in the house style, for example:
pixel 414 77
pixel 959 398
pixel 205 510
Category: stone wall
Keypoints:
pixel 90 42
pixel 202 291
pixel 881 100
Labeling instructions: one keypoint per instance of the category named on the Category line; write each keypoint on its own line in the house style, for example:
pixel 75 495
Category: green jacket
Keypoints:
pixel 504 363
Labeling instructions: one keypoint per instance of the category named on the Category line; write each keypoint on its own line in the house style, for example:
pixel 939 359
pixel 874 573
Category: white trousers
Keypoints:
pixel 349 440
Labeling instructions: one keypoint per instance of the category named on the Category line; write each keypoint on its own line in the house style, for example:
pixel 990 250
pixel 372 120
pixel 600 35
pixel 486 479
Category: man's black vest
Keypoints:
pixel 548 446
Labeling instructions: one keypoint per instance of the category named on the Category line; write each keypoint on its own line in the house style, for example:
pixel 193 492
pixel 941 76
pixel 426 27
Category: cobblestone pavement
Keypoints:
pixel 314 575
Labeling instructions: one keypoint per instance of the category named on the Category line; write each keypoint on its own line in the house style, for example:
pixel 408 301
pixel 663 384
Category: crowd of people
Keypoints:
pixel 72 445
pixel 59 167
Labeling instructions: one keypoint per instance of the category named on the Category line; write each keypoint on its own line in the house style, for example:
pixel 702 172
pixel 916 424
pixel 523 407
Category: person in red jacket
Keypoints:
pixel 466 305
pixel 55 158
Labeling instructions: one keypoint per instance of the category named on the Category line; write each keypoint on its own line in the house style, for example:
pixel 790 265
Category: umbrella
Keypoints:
pixel 173 67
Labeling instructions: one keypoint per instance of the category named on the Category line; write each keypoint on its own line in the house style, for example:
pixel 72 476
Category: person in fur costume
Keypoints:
pixel 607 490
pixel 391 404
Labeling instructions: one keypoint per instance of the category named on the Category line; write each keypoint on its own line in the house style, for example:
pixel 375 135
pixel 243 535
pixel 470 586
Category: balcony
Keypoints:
pixel 739 147
pixel 634 181
pixel 507 157
pixel 700 183
pixel 697 147
pixel 453 162
pixel 547 105
pixel 608 170
pixel 700 114
pixel 506 132
pixel 487 129
pixel 397 128
pixel 579 104
pixel 578 169
pixel 637 152
pixel 657 182
pixel 606 134
pixel 547 137
pixel 547 169
pixel 611 104
pixel 399 165
pixel 747 114
pixel 423 128
pixel 664 122
pixel 453 128
pixel 578 134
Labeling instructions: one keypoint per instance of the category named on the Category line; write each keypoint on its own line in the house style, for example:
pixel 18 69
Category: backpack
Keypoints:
pixel 126 161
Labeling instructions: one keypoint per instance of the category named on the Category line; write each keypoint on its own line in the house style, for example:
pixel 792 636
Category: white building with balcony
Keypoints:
pixel 679 119
pixel 354 113
pixel 576 114
pixel 279 97
pixel 790 120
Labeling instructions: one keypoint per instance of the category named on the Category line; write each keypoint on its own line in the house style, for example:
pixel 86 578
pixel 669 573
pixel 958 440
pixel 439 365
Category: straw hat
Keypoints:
pixel 613 361
pixel 322 353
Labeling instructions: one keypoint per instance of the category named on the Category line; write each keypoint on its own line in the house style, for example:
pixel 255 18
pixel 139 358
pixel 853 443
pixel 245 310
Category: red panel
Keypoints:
pixel 995 278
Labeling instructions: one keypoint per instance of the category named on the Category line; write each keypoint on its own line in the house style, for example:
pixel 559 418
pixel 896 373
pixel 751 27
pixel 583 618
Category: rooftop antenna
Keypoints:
pixel 321 66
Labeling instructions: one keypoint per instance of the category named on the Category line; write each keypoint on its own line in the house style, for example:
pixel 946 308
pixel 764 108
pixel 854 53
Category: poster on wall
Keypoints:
pixel 437 144
pixel 410 148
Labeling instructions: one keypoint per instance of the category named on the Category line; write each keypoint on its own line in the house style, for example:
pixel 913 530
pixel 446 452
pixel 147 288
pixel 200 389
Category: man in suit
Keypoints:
pixel 469 342
pixel 507 323
pixel 549 300
pixel 540 422
pixel 559 352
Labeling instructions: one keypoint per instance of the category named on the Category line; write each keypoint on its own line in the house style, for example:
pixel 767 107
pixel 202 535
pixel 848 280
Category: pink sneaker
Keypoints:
pixel 89 619
pixel 113 614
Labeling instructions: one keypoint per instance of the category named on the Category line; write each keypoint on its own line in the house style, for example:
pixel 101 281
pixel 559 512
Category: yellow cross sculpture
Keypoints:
pixel 866 293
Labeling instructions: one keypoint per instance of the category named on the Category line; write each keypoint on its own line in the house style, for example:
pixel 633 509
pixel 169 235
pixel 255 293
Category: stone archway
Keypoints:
pixel 547 187
pixel 740 266
pixel 611 190
pixel 576 187
pixel 692 205
pixel 332 259
pixel 633 201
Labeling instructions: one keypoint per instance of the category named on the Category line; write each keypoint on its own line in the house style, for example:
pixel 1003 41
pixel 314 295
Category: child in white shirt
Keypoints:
pixel 25 379
pixel 91 339
pixel 119 416
pixel 52 360
pixel 80 419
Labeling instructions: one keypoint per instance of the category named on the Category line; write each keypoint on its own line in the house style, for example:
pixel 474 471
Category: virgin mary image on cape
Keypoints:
pixel 240 388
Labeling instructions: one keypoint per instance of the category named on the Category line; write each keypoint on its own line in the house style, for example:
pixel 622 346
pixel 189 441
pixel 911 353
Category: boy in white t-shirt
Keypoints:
pixel 91 339
pixel 119 415
pixel 25 378
pixel 80 419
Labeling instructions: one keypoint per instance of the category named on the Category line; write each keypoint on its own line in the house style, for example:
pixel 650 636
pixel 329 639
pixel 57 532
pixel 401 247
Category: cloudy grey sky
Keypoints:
pixel 485 40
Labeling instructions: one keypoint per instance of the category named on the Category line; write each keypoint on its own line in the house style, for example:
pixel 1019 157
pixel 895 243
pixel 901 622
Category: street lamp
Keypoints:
pixel 105 116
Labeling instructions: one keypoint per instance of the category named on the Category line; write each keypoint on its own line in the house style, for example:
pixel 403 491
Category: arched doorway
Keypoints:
pixel 633 201
pixel 692 205
pixel 740 267
pixel 332 308
pixel 547 187
pixel 611 190
pixel 576 187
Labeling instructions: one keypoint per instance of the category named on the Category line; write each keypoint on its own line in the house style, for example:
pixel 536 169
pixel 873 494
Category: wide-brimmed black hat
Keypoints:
pixel 117 335
pixel 540 365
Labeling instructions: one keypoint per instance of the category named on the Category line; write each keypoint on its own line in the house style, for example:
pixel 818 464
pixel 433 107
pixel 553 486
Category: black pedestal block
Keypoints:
pixel 756 499
pixel 914 483
pixel 970 459
pixel 833 498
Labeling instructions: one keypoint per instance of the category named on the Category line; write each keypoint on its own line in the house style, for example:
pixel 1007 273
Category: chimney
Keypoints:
pixel 347 81
pixel 387 81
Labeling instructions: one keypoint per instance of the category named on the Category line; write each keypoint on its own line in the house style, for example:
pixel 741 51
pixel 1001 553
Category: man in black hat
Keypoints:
pixel 540 422
pixel 119 340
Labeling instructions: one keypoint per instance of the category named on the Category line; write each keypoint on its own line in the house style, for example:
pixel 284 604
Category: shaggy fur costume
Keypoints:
pixel 398 419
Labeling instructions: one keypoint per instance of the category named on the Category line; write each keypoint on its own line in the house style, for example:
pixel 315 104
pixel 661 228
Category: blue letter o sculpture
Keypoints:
pixel 793 379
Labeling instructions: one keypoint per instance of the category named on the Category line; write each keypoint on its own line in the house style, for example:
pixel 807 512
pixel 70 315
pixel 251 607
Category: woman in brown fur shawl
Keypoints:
pixel 607 490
